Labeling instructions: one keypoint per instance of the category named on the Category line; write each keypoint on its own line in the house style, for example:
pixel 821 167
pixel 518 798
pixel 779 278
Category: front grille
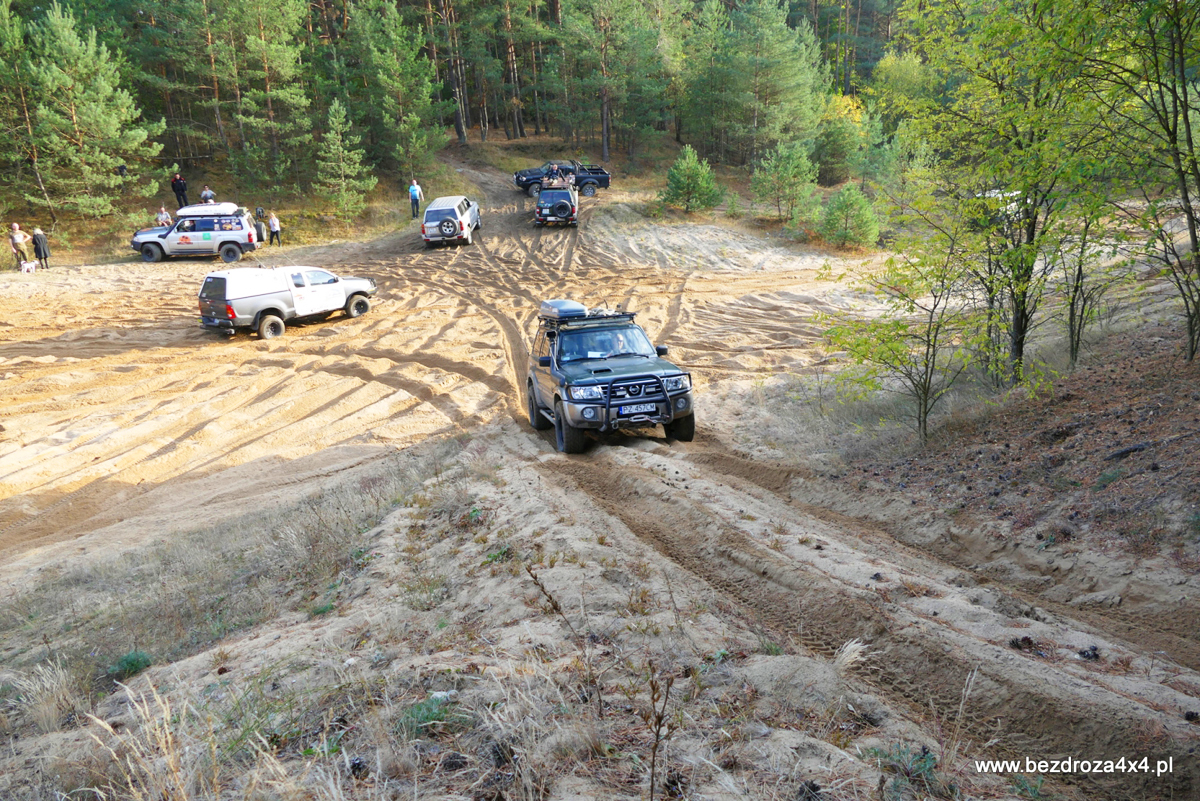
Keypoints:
pixel 637 389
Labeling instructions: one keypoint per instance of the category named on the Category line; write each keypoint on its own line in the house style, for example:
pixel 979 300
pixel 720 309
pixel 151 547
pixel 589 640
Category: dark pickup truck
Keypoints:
pixel 588 177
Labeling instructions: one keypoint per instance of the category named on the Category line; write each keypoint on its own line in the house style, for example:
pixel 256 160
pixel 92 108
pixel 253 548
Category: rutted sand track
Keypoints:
pixel 123 421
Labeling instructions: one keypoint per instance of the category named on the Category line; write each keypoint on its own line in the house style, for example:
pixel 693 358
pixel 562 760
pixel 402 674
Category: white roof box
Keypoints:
pixel 208 210
pixel 561 309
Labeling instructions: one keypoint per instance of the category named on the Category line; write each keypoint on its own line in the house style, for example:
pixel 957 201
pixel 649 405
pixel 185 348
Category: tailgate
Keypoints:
pixel 213 308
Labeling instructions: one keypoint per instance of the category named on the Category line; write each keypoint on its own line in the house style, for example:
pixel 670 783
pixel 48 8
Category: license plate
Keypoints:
pixel 637 408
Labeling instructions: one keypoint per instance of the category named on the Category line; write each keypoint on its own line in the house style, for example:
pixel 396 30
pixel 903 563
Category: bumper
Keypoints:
pixel 596 416
pixel 216 323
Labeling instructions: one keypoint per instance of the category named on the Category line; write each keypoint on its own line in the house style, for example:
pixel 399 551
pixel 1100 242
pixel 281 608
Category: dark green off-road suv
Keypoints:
pixel 598 370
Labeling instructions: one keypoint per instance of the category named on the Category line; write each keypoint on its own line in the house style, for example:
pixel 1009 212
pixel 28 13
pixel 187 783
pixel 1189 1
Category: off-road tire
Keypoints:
pixel 447 227
pixel 562 209
pixel 151 252
pixel 430 245
pixel 270 327
pixel 567 438
pixel 536 418
pixel 683 429
pixel 357 306
pixel 587 190
pixel 534 190
pixel 230 253
pixel 467 239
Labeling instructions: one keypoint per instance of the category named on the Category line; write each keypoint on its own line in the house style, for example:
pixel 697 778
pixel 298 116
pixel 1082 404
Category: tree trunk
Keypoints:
pixel 212 71
pixel 605 92
pixel 461 122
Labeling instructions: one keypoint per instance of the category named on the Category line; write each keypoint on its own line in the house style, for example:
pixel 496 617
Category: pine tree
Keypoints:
pixel 397 105
pixel 343 178
pixel 783 78
pixel 273 102
pixel 849 219
pixel 691 183
pixel 84 126
pixel 788 180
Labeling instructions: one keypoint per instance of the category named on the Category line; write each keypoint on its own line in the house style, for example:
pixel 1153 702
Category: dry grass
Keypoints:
pixel 850 654
pixel 50 694
pixel 185 594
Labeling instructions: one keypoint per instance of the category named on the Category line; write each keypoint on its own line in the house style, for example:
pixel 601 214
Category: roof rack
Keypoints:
pixel 558 313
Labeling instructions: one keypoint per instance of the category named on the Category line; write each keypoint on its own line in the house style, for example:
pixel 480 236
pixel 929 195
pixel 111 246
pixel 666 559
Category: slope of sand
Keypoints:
pixel 124 423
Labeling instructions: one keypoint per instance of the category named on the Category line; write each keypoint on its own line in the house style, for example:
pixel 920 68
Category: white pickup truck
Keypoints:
pixel 263 298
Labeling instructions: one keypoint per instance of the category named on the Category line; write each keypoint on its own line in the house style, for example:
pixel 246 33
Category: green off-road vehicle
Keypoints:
pixel 598 370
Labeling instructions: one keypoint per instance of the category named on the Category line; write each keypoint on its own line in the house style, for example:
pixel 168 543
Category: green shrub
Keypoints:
pixel 691 183
pixel 849 219
pixel 431 716
pixel 321 609
pixel 130 665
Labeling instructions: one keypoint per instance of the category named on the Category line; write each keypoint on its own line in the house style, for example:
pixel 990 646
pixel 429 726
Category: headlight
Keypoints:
pixel 586 393
pixel 676 383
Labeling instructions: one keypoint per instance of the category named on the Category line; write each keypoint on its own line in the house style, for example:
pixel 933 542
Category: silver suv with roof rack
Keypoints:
pixel 204 229
pixel 450 219
pixel 597 370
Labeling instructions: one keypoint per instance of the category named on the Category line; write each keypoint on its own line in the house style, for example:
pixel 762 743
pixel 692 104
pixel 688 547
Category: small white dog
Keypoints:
pixel 28 266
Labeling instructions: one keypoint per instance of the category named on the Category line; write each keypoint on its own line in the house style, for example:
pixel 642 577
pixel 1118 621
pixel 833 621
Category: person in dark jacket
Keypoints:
pixel 41 248
pixel 179 187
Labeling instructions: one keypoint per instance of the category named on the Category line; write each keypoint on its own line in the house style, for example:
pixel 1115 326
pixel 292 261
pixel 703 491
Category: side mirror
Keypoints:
pixel 661 350
pixel 543 361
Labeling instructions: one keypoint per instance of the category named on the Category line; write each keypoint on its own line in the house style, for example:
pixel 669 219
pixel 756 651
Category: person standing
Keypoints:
pixel 415 196
pixel 273 224
pixel 164 216
pixel 18 240
pixel 179 187
pixel 207 195
pixel 41 248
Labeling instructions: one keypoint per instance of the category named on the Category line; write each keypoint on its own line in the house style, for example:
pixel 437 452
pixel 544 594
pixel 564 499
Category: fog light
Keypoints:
pixel 589 413
pixel 681 404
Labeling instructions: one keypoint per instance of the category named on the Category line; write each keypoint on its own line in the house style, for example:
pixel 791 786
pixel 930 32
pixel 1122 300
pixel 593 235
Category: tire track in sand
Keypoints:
pixel 915 667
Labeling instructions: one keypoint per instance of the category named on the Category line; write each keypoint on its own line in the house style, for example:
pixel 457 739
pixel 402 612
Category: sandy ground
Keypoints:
pixel 124 422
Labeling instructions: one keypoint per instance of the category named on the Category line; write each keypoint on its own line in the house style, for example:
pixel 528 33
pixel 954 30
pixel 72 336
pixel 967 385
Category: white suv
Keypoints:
pixel 205 229
pixel 450 219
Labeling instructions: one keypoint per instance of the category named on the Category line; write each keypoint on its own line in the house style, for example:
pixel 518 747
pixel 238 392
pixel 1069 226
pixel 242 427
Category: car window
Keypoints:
pixel 318 277
pixel 186 226
pixel 297 279
pixel 437 215
pixel 204 225
pixel 552 196
pixel 603 343
pixel 230 224
pixel 213 288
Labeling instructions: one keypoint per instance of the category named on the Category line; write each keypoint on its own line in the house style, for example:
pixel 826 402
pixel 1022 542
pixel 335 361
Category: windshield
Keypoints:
pixel 575 346
pixel 551 196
